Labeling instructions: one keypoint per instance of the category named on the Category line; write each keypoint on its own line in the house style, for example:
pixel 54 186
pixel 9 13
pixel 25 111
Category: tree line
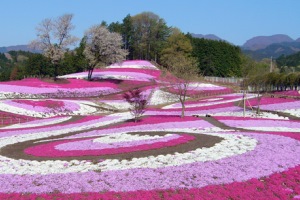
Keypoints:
pixel 144 36
pixel 274 81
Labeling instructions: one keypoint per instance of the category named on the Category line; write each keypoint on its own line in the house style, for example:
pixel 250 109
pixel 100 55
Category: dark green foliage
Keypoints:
pixel 127 35
pixel 74 61
pixel 14 67
pixel 3 58
pixel 289 61
pixel 217 58
pixel 38 65
pixel 144 35
pixel 274 81
pixel 115 27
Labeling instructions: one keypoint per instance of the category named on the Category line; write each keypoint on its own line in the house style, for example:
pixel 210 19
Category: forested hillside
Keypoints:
pixel 291 62
pixel 144 37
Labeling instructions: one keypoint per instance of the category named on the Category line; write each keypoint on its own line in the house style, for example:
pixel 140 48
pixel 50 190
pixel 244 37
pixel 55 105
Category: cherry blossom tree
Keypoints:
pixel 54 38
pixel 102 48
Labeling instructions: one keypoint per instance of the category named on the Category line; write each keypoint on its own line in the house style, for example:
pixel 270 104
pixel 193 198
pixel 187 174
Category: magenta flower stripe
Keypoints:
pixel 90 144
pixel 49 150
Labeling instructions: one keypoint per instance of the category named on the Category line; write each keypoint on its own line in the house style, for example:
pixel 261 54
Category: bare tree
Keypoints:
pixel 181 68
pixel 102 48
pixel 179 78
pixel 54 38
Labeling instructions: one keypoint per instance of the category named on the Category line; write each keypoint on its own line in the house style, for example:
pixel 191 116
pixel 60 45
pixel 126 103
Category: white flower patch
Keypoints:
pixel 21 111
pixel 203 85
pixel 232 144
pixel 37 123
pixel 251 114
pixel 22 167
pixel 294 112
pixel 126 138
pixel 212 99
pixel 84 109
pixel 201 104
pixel 134 67
pixel 160 97
pixel 116 104
pixel 275 129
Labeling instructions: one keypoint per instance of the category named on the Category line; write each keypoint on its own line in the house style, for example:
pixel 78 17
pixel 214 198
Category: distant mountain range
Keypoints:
pixel 208 36
pixel 262 42
pixel 271 46
pixel 258 47
pixel 18 48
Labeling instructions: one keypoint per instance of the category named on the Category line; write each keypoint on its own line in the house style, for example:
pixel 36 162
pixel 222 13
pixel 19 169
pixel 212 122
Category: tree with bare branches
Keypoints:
pixel 102 48
pixel 180 67
pixel 54 38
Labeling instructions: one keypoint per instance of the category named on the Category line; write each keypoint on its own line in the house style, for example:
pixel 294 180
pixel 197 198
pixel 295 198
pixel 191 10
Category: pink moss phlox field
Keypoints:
pixel 151 72
pixel 283 185
pixel 72 83
pixel 275 104
pixel 270 169
pixel 36 86
pixel 206 107
pixel 49 150
pixel 81 122
pixel 112 74
pixel 201 110
pixel 37 123
pixel 215 99
pixel 148 124
pixel 268 100
pixel 273 154
pixel 43 105
pixel 257 122
pixel 119 73
pixel 281 106
pixel 294 93
pixel 208 91
pixel 216 102
pixel 141 64
pixel 90 144
pixel 12 118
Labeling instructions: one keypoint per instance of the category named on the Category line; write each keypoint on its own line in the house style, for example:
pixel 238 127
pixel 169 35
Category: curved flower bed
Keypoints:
pixel 241 160
pixel 112 75
pixel 35 86
pixel 289 106
pixel 212 166
pixel 261 124
pixel 151 123
pixel 47 108
pixel 199 110
pixel 115 141
pixel 222 99
pixel 139 64
pixel 294 93
pixel 38 123
pixel 52 149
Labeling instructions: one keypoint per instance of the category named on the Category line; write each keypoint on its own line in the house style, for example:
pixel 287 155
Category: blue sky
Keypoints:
pixel 233 20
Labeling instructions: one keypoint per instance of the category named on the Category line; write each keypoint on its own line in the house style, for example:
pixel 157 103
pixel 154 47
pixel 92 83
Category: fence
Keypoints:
pixel 231 80
pixel 4 121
